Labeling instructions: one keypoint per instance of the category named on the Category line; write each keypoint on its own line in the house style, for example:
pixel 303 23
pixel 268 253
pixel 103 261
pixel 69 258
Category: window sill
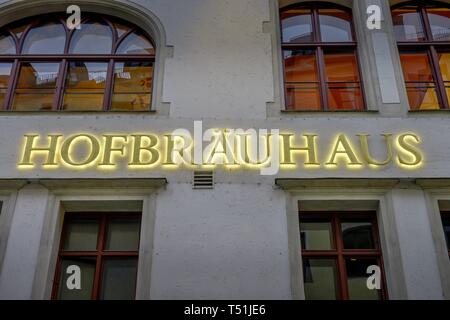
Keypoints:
pixel 58 113
pixel 329 111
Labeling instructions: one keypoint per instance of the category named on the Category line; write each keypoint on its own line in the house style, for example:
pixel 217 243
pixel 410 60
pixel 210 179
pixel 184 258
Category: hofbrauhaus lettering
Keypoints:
pixel 235 148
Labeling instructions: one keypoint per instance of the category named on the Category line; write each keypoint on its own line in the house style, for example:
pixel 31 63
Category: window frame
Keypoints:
pixel 320 47
pixel 64 60
pixel 100 253
pixel 430 47
pixel 446 214
pixel 339 254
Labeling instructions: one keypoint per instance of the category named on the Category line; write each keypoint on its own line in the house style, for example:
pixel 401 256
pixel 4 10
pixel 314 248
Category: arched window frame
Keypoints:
pixel 66 57
pixel 430 46
pixel 319 47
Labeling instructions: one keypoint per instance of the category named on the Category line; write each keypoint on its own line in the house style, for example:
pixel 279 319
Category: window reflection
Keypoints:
pixel 357 279
pixel 46 39
pixel 119 279
pixel 36 86
pixel 136 43
pixel 440 23
pixel 297 26
pixel 85 86
pixel 419 79
pixel 335 25
pixel 92 38
pixel 320 279
pixel 357 235
pixel 5 70
pixel 87 266
pixel 444 66
pixel 7 44
pixel 316 235
pixel 408 24
pixel 302 82
pixel 344 89
pixel 132 86
pixel 94 78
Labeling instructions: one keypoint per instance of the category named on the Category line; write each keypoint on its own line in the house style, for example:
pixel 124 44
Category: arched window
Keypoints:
pixel 321 69
pixel 105 65
pixel 422 29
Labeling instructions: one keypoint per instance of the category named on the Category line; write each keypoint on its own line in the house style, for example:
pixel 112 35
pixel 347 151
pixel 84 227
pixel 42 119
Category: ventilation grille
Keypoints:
pixel 203 180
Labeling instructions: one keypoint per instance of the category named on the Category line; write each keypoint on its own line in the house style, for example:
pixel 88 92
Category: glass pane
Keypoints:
pixel 7 45
pixel 357 279
pixel 119 279
pixel 345 96
pixel 46 39
pixel 92 38
pixel 440 23
pixel 5 70
pixel 446 224
pixel 36 86
pixel 341 67
pixel 123 234
pixel 136 43
pixel 301 78
pixel 408 24
pixel 419 81
pixel 344 90
pixel 316 235
pixel 357 235
pixel 87 268
pixel 296 26
pixel 81 235
pixel 444 64
pixel 132 86
pixel 320 279
pixel 335 25
pixel 85 86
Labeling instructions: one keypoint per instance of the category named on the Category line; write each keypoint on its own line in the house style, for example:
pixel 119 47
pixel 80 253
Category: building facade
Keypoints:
pixel 93 182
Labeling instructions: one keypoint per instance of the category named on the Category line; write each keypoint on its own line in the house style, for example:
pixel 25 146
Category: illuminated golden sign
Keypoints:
pixel 263 150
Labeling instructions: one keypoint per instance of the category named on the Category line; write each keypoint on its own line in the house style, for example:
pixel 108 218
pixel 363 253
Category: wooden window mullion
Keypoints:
pixel 14 75
pixel 322 78
pixel 59 90
pixel 107 101
pixel 99 262
pixel 341 260
pixel 439 80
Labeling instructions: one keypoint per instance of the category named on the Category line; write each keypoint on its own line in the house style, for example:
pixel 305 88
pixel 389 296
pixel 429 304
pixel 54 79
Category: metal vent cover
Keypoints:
pixel 203 180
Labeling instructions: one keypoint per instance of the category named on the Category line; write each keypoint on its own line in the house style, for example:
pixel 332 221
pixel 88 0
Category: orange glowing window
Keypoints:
pixel 320 65
pixel 106 65
pixel 423 34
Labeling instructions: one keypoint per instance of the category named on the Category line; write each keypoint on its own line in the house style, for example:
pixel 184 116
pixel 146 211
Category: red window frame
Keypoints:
pixel 100 254
pixel 64 59
pixel 339 253
pixel 430 46
pixel 320 47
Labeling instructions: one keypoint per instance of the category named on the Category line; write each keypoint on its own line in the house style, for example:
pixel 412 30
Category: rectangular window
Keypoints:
pixel 104 248
pixel 36 86
pixel 446 224
pixel 5 72
pixel 337 251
